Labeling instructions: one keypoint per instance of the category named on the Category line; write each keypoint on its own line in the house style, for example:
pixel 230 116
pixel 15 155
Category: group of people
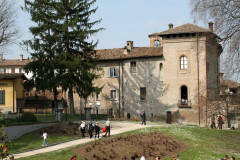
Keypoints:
pixel 226 158
pixel 157 158
pixel 91 128
pixel 94 127
pixel 220 121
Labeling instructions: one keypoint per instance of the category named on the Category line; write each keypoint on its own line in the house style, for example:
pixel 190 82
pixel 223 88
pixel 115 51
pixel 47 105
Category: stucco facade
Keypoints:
pixel 12 91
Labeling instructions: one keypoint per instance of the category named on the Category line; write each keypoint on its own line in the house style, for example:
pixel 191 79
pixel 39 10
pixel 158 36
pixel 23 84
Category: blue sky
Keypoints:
pixel 122 19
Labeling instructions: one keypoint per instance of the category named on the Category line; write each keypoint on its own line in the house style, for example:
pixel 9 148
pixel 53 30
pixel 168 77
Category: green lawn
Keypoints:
pixel 31 141
pixel 203 144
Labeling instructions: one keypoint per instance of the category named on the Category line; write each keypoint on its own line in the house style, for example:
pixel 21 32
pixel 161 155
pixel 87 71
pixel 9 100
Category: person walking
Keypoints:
pixel 90 129
pixel 82 128
pixel 97 130
pixel 143 116
pixel 232 158
pixel 213 124
pixel 107 128
pixel 225 157
pixel 220 121
pixel 157 158
pixel 142 158
pixel 44 138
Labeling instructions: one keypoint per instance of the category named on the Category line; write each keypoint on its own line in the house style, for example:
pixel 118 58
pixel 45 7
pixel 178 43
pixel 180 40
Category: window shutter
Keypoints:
pixel 3 97
pixel 117 72
pixel 108 72
pixel 110 94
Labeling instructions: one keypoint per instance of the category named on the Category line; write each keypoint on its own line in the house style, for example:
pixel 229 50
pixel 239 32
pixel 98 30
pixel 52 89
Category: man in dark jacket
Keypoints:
pixel 143 116
pixel 97 130
pixel 90 129
pixel 220 121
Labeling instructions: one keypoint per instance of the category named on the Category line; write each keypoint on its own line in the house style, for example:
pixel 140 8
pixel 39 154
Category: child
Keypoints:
pixel 82 128
pixel 44 138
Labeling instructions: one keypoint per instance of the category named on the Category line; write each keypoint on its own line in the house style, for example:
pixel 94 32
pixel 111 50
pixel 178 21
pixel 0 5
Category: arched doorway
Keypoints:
pixel 184 94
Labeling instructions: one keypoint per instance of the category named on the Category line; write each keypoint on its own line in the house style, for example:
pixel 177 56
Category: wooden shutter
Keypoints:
pixel 108 72
pixel 117 72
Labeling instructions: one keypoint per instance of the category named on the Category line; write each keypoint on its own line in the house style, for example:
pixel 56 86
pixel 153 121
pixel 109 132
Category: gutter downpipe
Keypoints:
pixel 13 96
pixel 199 122
pixel 122 89
pixel 119 95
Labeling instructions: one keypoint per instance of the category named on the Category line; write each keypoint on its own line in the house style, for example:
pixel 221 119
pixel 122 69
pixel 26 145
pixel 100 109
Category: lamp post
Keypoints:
pixel 228 99
pixel 97 107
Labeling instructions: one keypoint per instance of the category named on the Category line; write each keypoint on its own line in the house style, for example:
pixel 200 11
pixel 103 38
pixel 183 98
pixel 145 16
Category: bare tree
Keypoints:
pixel 7 29
pixel 226 17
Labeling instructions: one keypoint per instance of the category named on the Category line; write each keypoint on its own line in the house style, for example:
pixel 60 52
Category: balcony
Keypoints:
pixel 184 103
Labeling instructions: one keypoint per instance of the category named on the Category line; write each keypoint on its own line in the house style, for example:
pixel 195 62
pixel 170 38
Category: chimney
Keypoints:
pixel 210 25
pixel 1 57
pixel 21 57
pixel 170 26
pixel 129 45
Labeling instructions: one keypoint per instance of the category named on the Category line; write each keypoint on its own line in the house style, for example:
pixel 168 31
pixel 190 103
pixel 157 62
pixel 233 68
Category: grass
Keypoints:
pixel 31 141
pixel 202 143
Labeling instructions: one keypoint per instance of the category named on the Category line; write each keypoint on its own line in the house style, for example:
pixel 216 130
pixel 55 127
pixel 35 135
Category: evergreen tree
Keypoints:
pixel 61 42
pixel 76 50
pixel 43 47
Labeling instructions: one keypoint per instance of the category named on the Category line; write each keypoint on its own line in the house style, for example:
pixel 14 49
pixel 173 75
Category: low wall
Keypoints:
pixel 14 132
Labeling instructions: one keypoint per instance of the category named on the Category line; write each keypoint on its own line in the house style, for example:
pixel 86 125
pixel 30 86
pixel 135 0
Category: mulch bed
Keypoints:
pixel 68 129
pixel 124 147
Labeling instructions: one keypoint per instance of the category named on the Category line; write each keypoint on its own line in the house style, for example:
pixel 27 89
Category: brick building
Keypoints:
pixel 170 80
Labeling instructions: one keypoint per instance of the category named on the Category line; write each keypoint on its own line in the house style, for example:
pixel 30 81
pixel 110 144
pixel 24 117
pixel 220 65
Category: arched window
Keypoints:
pixel 156 43
pixel 160 66
pixel 183 63
pixel 184 94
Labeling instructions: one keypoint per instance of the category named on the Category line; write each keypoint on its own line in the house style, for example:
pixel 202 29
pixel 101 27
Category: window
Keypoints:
pixel 160 66
pixel 183 63
pixel 8 70
pixel 113 72
pixel 97 97
pixel 16 70
pixel 22 70
pixel 184 95
pixel 2 97
pixel 143 93
pixel 133 67
pixel 2 70
pixel 156 43
pixel 113 94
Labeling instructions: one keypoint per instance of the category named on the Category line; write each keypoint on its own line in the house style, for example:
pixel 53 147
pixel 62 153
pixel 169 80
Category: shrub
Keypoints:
pixel 28 117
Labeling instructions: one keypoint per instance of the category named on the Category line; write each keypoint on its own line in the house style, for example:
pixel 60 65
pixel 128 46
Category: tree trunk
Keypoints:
pixel 55 93
pixel 85 106
pixel 70 99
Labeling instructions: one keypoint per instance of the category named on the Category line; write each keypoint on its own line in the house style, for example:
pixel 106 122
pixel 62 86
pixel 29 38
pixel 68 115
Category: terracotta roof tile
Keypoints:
pixel 121 53
pixel 186 28
pixel 14 62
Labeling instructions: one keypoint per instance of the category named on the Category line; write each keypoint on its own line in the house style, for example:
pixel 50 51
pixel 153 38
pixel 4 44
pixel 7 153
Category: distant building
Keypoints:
pixel 12 77
pixel 11 92
pixel 13 65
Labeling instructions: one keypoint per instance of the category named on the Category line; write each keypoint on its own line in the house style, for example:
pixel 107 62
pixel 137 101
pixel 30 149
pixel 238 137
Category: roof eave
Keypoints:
pixel 125 58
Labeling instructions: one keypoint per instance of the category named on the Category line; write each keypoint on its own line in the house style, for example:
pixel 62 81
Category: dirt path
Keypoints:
pixel 118 127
